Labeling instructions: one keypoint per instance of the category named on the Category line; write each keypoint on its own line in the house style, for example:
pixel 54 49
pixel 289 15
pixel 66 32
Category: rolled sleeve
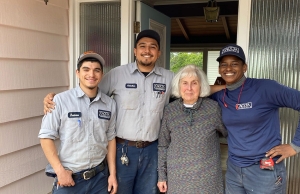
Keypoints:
pixel 50 124
pixel 48 134
pixel 296 148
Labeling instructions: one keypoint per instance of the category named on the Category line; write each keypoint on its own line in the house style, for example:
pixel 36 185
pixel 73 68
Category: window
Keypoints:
pixel 181 59
pixel 100 31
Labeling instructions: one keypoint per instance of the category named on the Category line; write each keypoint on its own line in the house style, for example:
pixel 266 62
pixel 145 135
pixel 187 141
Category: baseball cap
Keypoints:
pixel 232 49
pixel 91 54
pixel 149 34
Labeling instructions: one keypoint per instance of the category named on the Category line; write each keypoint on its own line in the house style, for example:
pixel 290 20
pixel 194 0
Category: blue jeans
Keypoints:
pixel 252 179
pixel 98 184
pixel 140 176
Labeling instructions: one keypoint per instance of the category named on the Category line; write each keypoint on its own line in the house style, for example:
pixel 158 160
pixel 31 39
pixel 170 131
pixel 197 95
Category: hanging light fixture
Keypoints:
pixel 46 1
pixel 211 12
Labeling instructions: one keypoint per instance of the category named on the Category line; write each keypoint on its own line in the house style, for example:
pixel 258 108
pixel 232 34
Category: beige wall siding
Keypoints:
pixel 29 69
pixel 34 59
pixel 22 132
pixel 33 184
pixel 21 164
pixel 23 104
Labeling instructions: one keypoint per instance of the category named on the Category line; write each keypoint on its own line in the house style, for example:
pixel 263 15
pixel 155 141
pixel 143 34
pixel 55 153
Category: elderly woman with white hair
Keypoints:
pixel 189 158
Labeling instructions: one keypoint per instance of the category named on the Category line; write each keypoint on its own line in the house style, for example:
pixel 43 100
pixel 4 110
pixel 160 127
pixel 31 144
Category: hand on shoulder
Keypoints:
pixel 49 105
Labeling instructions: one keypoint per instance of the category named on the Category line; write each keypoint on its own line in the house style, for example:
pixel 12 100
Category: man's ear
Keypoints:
pixel 245 67
pixel 159 53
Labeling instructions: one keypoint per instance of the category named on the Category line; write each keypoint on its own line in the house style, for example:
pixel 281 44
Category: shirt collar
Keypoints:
pixel 133 67
pixel 237 84
pixel 80 93
pixel 195 107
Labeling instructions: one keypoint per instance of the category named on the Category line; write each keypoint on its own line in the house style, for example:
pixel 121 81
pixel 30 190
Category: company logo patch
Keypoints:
pixel 159 87
pixel 130 85
pixel 74 114
pixel 230 49
pixel 246 105
pixel 103 114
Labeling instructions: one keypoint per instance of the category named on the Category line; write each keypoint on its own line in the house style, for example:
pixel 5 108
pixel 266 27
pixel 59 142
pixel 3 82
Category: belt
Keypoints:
pixel 90 173
pixel 85 174
pixel 137 144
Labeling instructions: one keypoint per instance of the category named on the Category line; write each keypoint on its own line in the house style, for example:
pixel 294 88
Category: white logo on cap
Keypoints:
pixel 230 49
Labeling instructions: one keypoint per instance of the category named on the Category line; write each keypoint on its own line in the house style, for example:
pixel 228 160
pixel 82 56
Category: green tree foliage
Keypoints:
pixel 178 60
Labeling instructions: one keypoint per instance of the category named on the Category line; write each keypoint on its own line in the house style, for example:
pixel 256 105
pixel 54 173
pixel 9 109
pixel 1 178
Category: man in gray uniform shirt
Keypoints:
pixel 141 91
pixel 84 120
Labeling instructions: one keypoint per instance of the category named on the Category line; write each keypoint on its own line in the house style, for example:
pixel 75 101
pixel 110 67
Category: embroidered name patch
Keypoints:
pixel 103 114
pixel 159 87
pixel 74 114
pixel 131 85
pixel 246 105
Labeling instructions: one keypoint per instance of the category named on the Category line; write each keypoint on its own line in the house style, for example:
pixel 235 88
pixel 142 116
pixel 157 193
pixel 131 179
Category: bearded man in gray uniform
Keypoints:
pixel 141 90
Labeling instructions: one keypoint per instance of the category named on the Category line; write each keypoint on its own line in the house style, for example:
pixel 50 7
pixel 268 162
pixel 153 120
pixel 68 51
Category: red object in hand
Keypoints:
pixel 267 163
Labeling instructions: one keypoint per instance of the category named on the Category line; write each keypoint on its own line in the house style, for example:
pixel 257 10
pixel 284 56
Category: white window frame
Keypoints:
pixel 127 44
pixel 243 30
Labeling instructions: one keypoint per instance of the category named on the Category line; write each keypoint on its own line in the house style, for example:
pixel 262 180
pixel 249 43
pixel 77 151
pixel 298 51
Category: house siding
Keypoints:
pixel 34 60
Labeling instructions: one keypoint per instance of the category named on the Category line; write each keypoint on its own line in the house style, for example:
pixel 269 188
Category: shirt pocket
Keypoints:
pixel 157 104
pixel 130 99
pixel 99 129
pixel 74 130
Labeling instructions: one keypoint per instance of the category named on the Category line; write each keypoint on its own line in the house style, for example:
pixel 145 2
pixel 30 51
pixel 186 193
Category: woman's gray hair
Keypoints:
pixel 191 71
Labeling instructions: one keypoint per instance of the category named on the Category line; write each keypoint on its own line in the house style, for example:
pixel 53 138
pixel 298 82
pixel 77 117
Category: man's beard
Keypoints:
pixel 144 64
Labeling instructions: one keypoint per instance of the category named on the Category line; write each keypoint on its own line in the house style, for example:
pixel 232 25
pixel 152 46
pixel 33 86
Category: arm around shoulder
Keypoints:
pixel 216 88
pixel 49 105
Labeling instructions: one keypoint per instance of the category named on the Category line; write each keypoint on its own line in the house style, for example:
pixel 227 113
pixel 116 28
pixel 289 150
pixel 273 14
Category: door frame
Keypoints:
pixel 243 30
pixel 127 36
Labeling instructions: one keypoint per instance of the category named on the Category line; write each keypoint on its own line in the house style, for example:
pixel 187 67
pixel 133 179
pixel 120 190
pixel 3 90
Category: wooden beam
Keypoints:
pixel 225 27
pixel 196 9
pixel 183 30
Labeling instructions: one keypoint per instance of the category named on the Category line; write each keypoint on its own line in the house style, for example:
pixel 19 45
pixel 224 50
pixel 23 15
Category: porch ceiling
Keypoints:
pixel 188 25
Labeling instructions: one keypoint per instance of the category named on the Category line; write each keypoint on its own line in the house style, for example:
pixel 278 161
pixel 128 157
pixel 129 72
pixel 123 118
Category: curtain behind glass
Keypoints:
pixel 100 31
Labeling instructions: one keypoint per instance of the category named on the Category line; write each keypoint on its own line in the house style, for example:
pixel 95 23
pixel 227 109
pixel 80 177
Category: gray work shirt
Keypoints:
pixel 84 128
pixel 140 100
